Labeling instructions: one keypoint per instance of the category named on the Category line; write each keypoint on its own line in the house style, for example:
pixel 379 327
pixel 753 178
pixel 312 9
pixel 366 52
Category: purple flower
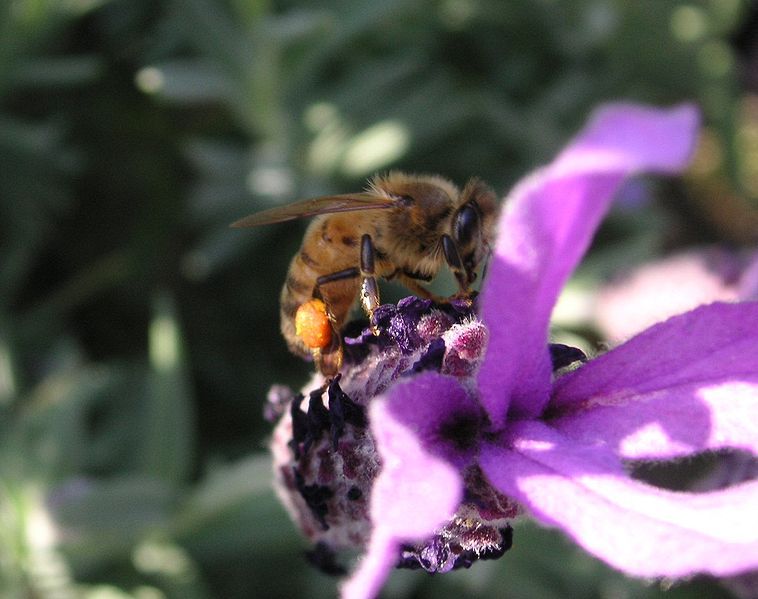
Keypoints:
pixel 512 432
pixel 672 285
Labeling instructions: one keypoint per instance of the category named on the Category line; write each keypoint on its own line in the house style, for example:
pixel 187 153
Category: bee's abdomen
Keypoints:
pixel 313 260
pixel 298 289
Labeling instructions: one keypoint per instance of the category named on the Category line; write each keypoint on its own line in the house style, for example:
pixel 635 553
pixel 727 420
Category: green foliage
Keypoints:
pixel 139 335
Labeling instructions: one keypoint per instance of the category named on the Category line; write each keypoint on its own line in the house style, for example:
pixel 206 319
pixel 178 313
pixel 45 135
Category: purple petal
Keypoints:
pixel 373 569
pixel 748 288
pixel 545 228
pixel 673 285
pixel 442 416
pixel 634 527
pixel 686 385
pixel 413 495
pixel 629 138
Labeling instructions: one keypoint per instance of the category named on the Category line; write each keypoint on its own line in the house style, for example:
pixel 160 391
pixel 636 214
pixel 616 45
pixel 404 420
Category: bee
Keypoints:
pixel 402 227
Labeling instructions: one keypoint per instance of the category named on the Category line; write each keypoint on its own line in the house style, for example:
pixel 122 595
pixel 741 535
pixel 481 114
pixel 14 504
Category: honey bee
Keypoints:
pixel 403 227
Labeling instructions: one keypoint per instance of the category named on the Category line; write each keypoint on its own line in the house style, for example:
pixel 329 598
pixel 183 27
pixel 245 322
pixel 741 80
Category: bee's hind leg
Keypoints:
pixel 328 359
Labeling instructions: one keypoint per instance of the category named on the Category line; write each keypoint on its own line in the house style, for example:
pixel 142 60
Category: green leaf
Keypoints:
pixel 167 445
pixel 99 521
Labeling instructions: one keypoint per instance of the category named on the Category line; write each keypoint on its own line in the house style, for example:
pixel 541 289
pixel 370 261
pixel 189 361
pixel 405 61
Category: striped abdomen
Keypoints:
pixel 330 245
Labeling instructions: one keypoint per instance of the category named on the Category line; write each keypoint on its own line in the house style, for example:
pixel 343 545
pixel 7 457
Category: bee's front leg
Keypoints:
pixel 419 290
pixel 454 262
pixel 369 287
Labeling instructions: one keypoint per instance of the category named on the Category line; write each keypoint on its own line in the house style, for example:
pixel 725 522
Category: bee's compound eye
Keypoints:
pixel 466 225
pixel 312 324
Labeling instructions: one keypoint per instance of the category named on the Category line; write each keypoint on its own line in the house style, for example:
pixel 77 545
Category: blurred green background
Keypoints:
pixel 139 334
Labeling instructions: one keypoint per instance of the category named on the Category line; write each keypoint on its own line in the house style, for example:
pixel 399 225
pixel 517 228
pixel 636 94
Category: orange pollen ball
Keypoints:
pixel 312 324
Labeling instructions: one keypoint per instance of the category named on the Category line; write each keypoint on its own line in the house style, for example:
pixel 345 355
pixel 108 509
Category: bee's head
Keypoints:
pixel 472 224
pixel 432 214
pixel 423 203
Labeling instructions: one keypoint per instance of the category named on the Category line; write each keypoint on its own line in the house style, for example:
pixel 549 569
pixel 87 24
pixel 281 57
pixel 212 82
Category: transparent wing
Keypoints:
pixel 312 207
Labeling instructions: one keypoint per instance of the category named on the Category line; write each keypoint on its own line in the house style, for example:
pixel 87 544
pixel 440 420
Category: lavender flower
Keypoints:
pixel 672 285
pixel 472 422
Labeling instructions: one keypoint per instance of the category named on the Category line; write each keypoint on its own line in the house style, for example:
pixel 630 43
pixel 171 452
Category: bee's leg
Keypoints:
pixel 329 359
pixel 419 290
pixel 369 286
pixel 348 273
pixel 453 259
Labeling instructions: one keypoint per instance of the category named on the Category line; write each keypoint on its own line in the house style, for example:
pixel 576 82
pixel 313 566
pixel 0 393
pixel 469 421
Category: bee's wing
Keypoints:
pixel 312 207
